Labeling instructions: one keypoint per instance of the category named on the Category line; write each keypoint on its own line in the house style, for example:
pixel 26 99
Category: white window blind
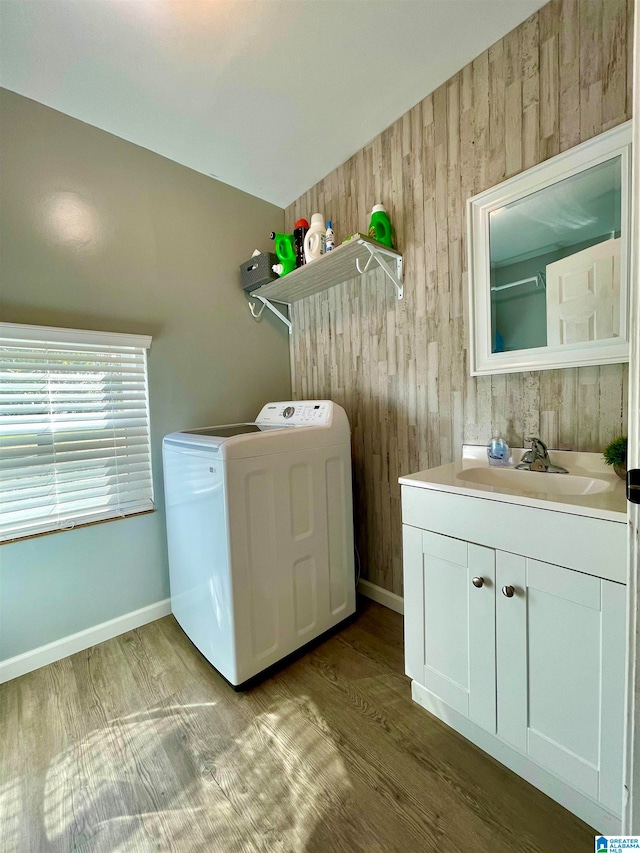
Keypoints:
pixel 74 428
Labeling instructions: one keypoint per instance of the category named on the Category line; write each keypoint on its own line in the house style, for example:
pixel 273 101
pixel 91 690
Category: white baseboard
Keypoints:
pixel 381 595
pixel 43 655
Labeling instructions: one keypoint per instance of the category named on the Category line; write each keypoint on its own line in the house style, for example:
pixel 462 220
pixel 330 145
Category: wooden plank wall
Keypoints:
pixel 400 369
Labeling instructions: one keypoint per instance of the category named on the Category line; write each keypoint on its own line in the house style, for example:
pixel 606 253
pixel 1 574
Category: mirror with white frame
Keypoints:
pixel 549 262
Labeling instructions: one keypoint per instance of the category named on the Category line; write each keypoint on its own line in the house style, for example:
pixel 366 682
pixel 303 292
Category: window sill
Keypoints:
pixel 76 527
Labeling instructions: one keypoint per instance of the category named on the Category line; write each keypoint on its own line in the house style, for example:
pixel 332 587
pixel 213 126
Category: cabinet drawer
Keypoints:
pixel 588 545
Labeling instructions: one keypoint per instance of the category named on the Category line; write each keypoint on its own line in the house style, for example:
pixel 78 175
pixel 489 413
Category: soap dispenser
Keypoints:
pixel 498 452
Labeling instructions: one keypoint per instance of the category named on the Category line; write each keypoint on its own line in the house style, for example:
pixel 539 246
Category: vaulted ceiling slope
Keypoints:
pixel 266 95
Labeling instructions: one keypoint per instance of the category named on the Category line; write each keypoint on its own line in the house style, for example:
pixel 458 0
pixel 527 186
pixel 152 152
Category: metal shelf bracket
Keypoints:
pixel 266 304
pixel 374 254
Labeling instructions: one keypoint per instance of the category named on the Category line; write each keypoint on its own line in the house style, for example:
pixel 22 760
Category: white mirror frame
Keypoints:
pixel 612 143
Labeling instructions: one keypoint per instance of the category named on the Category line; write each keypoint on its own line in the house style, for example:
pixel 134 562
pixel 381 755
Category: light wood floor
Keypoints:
pixel 138 745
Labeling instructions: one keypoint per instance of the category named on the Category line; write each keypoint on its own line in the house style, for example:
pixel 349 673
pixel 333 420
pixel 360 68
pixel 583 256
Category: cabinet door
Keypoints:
pixel 450 622
pixel 560 672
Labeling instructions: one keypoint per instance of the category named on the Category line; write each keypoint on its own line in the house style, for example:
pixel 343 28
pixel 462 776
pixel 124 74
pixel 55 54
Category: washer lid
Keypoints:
pixel 213 438
pixel 280 428
pixel 228 431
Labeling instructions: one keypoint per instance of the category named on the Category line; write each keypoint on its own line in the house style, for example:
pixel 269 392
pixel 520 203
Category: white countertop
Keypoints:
pixel 610 504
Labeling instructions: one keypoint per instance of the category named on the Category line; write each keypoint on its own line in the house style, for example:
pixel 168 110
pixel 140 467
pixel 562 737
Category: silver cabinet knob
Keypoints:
pixel 478 582
pixel 508 591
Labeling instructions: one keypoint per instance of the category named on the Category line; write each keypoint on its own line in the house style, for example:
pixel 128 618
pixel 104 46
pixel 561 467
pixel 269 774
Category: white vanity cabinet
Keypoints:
pixel 523 656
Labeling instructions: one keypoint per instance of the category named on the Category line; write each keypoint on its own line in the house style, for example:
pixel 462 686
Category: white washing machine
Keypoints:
pixel 260 533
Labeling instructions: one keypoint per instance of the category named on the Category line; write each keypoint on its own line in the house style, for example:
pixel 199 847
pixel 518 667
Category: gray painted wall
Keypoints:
pixel 97 233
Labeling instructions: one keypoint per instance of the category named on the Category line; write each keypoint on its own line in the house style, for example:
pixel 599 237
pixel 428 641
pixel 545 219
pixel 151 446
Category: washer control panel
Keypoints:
pixel 296 413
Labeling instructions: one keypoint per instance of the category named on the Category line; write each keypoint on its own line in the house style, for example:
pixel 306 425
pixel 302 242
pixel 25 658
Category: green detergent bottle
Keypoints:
pixel 286 252
pixel 380 226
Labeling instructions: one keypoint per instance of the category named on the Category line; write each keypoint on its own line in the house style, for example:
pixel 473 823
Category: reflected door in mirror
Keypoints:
pixel 583 295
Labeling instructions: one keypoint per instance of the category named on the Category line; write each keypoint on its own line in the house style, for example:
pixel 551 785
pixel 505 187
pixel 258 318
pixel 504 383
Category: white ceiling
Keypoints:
pixel 577 209
pixel 266 95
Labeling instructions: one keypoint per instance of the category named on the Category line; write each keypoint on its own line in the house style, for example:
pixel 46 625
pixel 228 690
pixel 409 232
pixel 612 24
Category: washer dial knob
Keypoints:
pixel 288 412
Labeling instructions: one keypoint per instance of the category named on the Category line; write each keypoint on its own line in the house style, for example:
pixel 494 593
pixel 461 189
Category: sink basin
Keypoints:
pixel 590 489
pixel 535 482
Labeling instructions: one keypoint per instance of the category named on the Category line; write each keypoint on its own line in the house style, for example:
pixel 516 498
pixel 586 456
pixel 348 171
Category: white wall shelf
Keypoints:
pixel 349 260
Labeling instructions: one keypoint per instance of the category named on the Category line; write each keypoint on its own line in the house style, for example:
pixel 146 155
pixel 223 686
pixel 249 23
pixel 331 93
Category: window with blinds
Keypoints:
pixel 74 428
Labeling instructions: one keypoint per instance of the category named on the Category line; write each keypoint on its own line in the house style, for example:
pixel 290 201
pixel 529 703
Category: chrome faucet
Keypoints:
pixel 537 459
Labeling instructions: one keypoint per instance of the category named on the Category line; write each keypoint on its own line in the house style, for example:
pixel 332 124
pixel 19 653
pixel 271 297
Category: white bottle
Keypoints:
pixel 315 239
pixel 330 239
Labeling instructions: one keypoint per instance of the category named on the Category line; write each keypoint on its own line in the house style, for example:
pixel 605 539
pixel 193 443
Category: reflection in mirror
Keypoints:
pixel 555 262
pixel 548 261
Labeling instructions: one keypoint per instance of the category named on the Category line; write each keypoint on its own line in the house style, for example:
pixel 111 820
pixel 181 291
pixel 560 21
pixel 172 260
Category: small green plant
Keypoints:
pixel 616 452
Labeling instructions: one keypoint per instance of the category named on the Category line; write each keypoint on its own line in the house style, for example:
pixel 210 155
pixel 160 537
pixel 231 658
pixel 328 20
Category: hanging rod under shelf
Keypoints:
pixel 538 279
